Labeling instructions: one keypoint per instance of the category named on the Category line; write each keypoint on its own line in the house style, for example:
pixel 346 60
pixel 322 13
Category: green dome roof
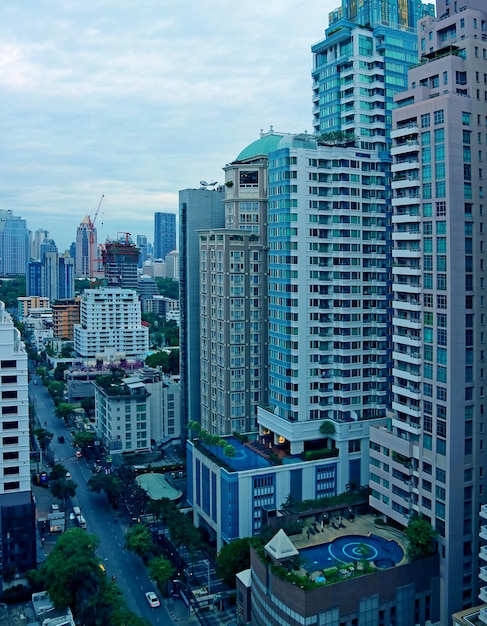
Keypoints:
pixel 261 147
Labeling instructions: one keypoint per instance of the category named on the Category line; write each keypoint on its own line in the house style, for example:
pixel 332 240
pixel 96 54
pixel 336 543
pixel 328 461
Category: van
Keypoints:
pixel 81 521
pixel 76 511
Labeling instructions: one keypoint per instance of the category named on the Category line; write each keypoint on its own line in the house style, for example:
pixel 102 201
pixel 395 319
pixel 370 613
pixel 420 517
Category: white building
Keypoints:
pixel 110 318
pixel 17 523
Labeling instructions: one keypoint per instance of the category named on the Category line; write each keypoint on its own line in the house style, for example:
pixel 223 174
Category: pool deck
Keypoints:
pixel 361 525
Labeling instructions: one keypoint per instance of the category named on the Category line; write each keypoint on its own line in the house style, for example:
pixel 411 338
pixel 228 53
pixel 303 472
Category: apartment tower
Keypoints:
pixel 17 509
pixel 430 456
pixel 164 234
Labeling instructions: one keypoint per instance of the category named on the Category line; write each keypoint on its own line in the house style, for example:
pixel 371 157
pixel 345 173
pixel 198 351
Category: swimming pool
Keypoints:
pixel 348 548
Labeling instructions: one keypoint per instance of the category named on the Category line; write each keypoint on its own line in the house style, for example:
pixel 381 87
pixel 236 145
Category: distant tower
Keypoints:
pixel 120 262
pixel 14 244
pixel 86 246
pixel 33 286
pixel 36 239
pixel 164 234
pixel 142 246
pixel 65 277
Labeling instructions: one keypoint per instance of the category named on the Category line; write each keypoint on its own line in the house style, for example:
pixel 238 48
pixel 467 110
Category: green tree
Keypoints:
pixel 84 439
pixel 44 437
pixel 56 389
pixel 108 483
pixel 168 287
pixel 420 536
pixel 327 428
pixel 62 489
pixel 64 410
pixel 161 570
pixel 138 540
pixel 10 290
pixel 171 333
pixel 158 359
pixel 233 558
pixel 163 509
pixel 72 565
pixel 59 371
pixel 88 404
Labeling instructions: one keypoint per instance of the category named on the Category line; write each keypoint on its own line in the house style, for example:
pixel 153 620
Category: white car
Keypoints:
pixel 152 599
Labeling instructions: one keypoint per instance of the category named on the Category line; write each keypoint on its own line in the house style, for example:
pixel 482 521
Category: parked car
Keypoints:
pixel 60 439
pixel 78 454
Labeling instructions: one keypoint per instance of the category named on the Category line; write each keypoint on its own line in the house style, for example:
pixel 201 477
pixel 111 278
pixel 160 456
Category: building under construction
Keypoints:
pixel 120 262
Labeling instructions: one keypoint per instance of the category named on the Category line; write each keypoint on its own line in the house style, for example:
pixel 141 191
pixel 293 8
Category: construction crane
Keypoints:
pixel 127 236
pixel 92 236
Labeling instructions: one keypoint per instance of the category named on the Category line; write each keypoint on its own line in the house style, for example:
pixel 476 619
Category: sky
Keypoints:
pixel 137 100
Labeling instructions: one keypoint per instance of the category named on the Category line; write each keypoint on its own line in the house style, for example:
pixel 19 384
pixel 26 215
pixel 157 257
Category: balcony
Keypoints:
pixel 483 532
pixel 483 574
pixel 483 511
pixel 405 131
pixel 483 553
pixel 483 594
pixel 483 615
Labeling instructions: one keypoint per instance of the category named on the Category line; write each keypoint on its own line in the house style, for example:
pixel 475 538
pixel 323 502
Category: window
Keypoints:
pixel 8 364
pixel 11 486
pixel 439 117
pixel 425 120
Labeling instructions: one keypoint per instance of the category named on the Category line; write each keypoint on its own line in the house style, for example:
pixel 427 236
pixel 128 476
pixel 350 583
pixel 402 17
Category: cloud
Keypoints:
pixel 139 100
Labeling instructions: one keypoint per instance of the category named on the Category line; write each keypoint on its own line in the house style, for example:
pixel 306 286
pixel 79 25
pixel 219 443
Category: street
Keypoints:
pixel 130 572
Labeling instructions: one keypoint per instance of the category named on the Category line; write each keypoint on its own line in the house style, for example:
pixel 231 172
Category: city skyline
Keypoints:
pixel 93 106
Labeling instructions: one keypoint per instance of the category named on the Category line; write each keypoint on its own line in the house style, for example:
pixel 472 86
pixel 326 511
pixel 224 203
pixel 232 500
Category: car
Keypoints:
pixel 35 382
pixel 78 454
pixel 152 599
pixel 102 567
pixel 60 439
pixel 68 476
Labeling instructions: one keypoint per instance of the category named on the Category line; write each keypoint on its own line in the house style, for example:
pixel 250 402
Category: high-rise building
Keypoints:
pixel 49 269
pixel 65 277
pixel 110 322
pixel 198 209
pixel 143 248
pixel 14 244
pixel 35 242
pixel 86 249
pixel 17 508
pixel 33 282
pixel 164 234
pixel 429 457
pixel 65 315
pixel 120 262
pixel 233 300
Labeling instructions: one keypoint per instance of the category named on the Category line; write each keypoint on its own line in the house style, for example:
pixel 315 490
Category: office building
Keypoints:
pixel 17 509
pixel 65 277
pixel 141 242
pixel 33 278
pixel 198 209
pixel 35 242
pixel 172 265
pixel 110 320
pixel 120 263
pixel 164 234
pixel 14 244
pixel 432 449
pixel 86 249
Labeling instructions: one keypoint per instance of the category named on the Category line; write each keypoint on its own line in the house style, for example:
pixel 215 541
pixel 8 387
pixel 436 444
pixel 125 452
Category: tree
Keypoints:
pixel 163 509
pixel 72 565
pixel 327 428
pixel 420 536
pixel 59 371
pixel 44 437
pixel 161 570
pixel 138 540
pixel 233 558
pixel 84 439
pixel 10 290
pixel 88 404
pixel 168 287
pixel 62 489
pixel 56 389
pixel 108 483
pixel 158 359
pixel 64 410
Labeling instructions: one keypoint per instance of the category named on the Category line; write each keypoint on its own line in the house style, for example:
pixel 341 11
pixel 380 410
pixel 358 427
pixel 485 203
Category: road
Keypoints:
pixel 130 572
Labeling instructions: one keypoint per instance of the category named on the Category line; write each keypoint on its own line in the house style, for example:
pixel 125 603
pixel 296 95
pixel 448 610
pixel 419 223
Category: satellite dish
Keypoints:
pixel 203 183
